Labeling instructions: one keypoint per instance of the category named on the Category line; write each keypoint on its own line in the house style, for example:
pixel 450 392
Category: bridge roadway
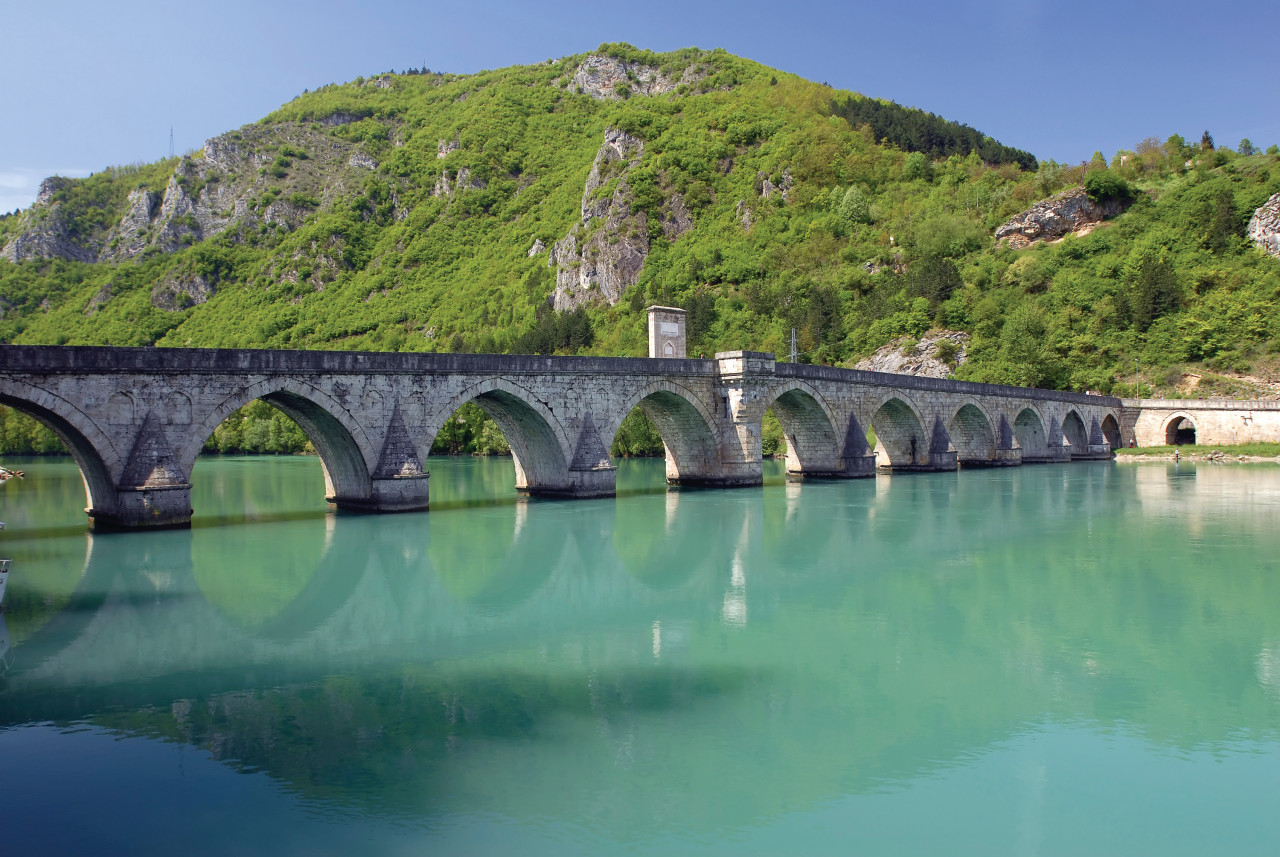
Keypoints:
pixel 136 418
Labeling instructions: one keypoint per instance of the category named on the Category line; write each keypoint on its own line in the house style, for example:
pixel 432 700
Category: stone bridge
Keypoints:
pixel 135 419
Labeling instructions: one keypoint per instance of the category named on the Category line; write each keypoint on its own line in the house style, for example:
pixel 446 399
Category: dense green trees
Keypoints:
pixel 914 130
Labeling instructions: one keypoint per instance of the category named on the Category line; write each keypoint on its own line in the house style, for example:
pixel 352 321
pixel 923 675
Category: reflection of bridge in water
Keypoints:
pixel 135 419
pixel 933 611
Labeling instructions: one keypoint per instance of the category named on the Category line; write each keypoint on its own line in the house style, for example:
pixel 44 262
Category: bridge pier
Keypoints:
pixel 156 507
pixel 409 493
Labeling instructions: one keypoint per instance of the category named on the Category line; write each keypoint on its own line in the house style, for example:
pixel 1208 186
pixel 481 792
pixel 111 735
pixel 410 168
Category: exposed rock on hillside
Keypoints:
pixel 603 77
pixel 44 231
pixel 602 255
pixel 1069 211
pixel 460 181
pixel 245 176
pixel 1264 226
pixel 906 356
pixel 181 293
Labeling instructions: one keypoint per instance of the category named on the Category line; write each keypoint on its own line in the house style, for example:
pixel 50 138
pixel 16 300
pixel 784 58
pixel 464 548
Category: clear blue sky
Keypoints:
pixel 91 84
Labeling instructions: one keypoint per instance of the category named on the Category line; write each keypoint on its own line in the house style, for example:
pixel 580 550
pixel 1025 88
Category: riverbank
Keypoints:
pixel 1242 452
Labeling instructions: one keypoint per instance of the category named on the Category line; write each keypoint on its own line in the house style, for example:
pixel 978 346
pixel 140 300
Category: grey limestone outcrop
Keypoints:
pixel 235 179
pixel 905 356
pixel 601 77
pixel 1050 219
pixel 604 252
pixel 1264 226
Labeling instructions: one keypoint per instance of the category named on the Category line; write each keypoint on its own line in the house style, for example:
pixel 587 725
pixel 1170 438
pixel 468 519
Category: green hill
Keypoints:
pixel 541 208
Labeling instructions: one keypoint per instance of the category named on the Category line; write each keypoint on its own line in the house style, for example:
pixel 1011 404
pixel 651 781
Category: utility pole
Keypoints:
pixel 793 345
pixel 1136 393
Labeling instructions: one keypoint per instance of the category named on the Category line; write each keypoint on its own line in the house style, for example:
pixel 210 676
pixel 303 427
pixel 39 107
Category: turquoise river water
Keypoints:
pixel 1075 659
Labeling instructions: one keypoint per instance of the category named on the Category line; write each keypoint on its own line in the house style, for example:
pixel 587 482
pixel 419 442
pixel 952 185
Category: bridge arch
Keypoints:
pixel 342 444
pixel 972 433
pixel 901 439
pixel 540 447
pixel 1111 431
pixel 1030 434
pixel 683 421
pixel 813 440
pixel 1076 433
pixel 1179 429
pixel 93 452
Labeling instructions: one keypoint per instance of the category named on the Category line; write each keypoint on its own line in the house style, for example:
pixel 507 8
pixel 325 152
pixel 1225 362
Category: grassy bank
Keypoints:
pixel 1250 450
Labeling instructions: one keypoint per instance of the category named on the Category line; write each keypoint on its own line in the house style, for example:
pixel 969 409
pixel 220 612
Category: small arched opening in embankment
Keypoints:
pixel 666 420
pixel 901 441
pixel 88 446
pixel 1073 429
pixel 288 418
pixel 1111 431
pixel 1180 430
pixel 972 436
pixel 497 417
pixel 1029 431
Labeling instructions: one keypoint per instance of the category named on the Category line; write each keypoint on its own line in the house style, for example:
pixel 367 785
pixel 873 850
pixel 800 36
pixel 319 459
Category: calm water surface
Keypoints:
pixel 1056 660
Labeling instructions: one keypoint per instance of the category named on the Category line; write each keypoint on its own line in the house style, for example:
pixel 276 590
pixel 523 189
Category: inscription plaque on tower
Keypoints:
pixel 666 332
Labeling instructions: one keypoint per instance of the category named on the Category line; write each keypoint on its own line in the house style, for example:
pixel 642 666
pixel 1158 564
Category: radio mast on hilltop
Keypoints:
pixel 171 141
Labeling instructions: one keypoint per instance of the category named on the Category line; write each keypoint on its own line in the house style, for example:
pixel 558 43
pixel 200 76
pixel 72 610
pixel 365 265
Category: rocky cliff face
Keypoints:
pixel 603 253
pixel 1069 211
pixel 1264 226
pixel 45 232
pixel 905 356
pixel 608 78
pixel 251 176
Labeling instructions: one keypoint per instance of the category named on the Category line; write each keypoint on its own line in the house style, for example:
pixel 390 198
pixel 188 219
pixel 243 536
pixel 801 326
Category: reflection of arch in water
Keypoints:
pixel 1180 430
pixel 662 540
pixel 163 558
pixel 1073 429
pixel 692 447
pixel 93 451
pixel 539 444
pixel 813 442
pixel 901 441
pixel 795 529
pixel 281 594
pixel 496 557
pixel 340 441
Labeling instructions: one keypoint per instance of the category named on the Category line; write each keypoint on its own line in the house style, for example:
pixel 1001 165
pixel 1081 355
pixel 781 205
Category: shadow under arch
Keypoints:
pixel 901 441
pixel 1077 435
pixel 1180 430
pixel 538 442
pixel 1029 431
pixel 1111 431
pixel 692 447
pixel 340 441
pixel 92 451
pixel 813 442
pixel 973 436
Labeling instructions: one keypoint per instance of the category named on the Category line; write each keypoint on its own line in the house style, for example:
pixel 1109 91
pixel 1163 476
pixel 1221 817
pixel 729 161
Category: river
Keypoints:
pixel 1051 660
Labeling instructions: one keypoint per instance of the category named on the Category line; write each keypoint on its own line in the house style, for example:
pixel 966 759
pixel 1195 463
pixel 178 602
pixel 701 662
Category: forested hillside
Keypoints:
pixel 541 208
